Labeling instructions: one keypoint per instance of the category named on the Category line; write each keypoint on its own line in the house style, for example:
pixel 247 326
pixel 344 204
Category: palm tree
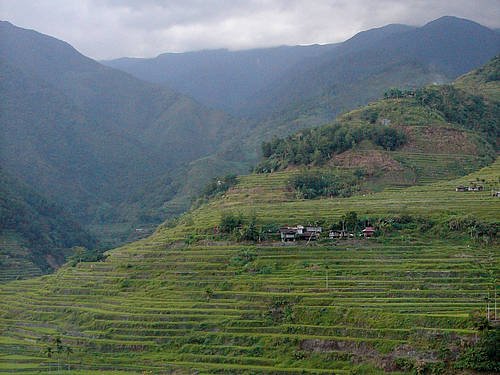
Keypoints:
pixel 68 351
pixel 59 350
pixel 48 352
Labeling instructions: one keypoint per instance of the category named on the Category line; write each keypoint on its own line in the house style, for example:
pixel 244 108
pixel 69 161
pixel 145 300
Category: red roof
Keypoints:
pixel 369 229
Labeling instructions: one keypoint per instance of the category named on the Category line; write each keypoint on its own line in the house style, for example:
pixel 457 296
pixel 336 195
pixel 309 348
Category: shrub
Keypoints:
pixel 81 254
pixel 229 222
pixel 484 355
pixel 219 185
pixel 314 184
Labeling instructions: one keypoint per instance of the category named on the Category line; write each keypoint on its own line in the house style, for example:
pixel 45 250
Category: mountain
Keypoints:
pixel 229 80
pixel 36 235
pixel 326 79
pixel 437 52
pixel 217 291
pixel 316 88
pixel 219 78
pixel 120 155
pixel 91 136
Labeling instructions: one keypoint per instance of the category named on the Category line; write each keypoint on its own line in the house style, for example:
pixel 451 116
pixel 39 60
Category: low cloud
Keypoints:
pixel 114 28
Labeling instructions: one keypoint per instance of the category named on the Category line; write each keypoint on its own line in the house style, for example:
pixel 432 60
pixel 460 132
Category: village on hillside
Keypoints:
pixel 313 233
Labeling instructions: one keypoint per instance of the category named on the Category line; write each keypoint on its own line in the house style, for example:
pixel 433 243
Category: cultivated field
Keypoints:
pixel 351 307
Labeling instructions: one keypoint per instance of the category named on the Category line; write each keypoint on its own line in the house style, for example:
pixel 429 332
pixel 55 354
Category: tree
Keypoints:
pixel 59 351
pixel 68 351
pixel 250 231
pixel 229 222
pixel 350 220
pixel 79 252
pixel 48 353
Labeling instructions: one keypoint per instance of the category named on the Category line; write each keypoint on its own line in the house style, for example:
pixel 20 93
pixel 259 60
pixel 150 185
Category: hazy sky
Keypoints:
pixel 115 28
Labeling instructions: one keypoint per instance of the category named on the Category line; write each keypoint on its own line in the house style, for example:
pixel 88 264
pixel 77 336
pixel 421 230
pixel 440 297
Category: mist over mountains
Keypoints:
pixel 92 134
pixel 262 81
pixel 132 146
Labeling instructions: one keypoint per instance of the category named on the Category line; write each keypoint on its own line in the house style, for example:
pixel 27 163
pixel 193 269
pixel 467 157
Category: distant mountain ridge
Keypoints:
pixel 96 130
pixel 112 149
pixel 219 78
pixel 444 48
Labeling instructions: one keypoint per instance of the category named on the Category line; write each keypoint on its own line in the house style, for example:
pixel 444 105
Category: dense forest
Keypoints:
pixel 375 123
pixel 45 226
pixel 457 106
pixel 315 146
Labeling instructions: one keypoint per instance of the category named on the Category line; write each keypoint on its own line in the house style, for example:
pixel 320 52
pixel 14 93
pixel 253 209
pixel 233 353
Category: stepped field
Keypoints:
pixel 162 305
pixel 268 196
pixel 15 258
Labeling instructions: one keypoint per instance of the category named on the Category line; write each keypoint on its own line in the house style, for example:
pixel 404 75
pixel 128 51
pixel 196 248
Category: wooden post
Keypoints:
pixel 488 307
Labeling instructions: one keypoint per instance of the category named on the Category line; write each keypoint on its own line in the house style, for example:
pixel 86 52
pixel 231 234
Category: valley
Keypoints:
pixel 166 306
pixel 141 210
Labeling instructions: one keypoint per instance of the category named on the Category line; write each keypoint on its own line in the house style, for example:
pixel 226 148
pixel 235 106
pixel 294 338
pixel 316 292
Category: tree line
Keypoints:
pixel 317 145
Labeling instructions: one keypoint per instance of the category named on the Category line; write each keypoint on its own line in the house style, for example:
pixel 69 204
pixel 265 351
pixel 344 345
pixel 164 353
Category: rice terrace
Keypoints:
pixel 309 209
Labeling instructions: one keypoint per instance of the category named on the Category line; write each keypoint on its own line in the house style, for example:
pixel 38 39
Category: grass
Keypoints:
pixel 161 306
pixel 267 196
pixel 15 259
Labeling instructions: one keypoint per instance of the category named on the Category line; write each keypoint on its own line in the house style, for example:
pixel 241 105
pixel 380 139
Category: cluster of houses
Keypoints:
pixel 300 232
pixel 367 233
pixel 472 187
pixel 308 233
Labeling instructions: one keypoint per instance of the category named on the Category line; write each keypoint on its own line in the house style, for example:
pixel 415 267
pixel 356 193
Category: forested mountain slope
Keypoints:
pixel 93 135
pixel 439 51
pixel 217 292
pixel 323 80
pixel 36 236
pixel 219 78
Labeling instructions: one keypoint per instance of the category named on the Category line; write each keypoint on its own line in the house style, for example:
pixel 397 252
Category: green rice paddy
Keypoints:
pixel 161 306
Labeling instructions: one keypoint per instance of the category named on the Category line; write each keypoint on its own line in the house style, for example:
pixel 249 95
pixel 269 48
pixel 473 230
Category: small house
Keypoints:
pixel 300 232
pixel 461 188
pixel 314 229
pixel 288 234
pixel 496 194
pixel 311 233
pixel 338 234
pixel 476 187
pixel 369 232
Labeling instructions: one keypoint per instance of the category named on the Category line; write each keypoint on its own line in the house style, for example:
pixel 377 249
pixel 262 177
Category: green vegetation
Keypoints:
pixel 316 183
pixel 400 301
pixel 319 144
pixel 471 111
pixel 483 355
pixel 416 122
pixel 33 228
pixel 219 185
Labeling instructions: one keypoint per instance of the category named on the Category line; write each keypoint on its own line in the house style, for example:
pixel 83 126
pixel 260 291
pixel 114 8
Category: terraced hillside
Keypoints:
pixel 270 199
pixel 15 260
pixel 183 301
